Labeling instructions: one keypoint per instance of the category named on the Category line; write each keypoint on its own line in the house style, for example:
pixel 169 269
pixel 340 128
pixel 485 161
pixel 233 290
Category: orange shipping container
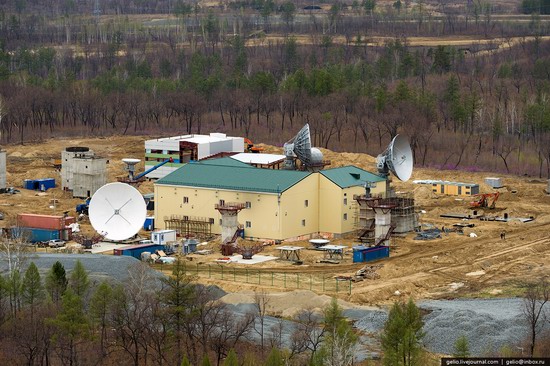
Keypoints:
pixel 44 221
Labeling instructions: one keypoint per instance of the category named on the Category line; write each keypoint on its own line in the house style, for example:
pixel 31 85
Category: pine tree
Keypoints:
pixel 185 361
pixel 99 309
pixel 402 334
pixel 176 296
pixel 462 348
pixel 56 282
pixel 205 361
pixel 71 323
pixel 79 281
pixel 31 289
pixel 231 359
pixel 274 358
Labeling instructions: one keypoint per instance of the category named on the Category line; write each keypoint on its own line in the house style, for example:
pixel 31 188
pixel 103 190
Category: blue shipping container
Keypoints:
pixel 39 184
pixel 135 251
pixel 149 223
pixel 366 254
pixel 35 235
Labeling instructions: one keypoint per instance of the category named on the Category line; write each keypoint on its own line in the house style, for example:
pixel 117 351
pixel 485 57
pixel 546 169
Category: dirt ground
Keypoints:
pixel 453 266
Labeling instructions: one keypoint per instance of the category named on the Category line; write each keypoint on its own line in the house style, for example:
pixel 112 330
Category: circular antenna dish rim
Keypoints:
pixel 131 161
pixel 399 158
pixel 117 211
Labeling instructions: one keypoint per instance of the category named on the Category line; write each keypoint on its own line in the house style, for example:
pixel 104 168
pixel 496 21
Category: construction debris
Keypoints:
pixel 368 272
pixel 428 234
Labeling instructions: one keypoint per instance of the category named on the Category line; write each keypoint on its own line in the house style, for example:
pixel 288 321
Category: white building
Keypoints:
pixel 183 149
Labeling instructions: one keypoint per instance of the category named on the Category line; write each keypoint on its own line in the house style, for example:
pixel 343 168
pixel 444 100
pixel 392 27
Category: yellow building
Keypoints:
pixel 451 188
pixel 280 204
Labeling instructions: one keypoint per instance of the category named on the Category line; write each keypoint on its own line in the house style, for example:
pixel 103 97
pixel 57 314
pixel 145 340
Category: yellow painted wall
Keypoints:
pixel 330 206
pixel 262 214
pixel 294 210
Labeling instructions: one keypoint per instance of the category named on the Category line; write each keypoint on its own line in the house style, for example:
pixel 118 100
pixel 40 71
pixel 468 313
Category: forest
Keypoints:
pixel 358 73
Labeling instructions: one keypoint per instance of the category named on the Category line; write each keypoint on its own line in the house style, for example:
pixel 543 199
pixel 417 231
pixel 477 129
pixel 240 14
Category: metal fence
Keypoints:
pixel 318 283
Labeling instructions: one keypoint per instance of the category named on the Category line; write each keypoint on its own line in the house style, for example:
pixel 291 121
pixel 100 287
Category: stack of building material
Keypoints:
pixel 35 228
pixel 494 182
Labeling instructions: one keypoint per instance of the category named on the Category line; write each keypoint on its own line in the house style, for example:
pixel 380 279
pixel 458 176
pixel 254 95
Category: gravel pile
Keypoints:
pixel 99 267
pixel 488 324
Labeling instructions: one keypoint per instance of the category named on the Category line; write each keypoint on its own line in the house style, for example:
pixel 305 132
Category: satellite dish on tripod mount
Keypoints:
pixel 117 211
pixel 300 147
pixel 398 159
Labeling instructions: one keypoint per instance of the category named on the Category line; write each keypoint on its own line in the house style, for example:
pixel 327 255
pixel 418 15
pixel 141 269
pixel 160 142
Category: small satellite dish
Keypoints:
pixel 130 166
pixel 397 158
pixel 117 211
pixel 300 147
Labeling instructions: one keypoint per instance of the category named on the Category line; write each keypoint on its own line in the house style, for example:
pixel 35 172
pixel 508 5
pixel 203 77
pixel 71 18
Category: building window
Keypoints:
pixel 304 222
pixel 185 199
pixel 222 202
pixel 212 220
pixel 345 201
pixel 248 224
pixel 345 217
pixel 306 203
pixel 248 204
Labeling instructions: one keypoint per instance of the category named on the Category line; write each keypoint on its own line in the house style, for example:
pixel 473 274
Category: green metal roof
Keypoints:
pixel 350 176
pixel 230 174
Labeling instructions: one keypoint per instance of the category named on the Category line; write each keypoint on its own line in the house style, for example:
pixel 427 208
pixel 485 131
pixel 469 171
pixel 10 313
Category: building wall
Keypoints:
pixel 294 209
pixel 200 202
pixel 67 166
pixel 89 175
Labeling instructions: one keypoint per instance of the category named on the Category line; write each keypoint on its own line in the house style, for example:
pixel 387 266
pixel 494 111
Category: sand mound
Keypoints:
pixel 285 304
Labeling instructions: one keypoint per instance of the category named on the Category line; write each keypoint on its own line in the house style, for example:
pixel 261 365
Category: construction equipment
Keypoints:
pixel 82 208
pixel 485 200
pixel 250 148
pixel 136 179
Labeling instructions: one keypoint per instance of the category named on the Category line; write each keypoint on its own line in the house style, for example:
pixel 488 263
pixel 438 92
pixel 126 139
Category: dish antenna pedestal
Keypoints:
pixel 299 147
pixel 398 159
pixel 117 211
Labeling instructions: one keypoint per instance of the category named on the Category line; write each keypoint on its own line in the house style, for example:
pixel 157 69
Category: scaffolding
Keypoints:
pixel 187 226
pixel 403 216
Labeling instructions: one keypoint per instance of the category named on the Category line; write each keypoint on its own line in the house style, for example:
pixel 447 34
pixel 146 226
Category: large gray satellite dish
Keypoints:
pixel 300 147
pixel 117 211
pixel 397 158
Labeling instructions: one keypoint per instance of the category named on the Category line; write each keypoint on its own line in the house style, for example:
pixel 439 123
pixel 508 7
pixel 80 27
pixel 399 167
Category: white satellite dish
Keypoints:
pixel 300 146
pixel 130 166
pixel 397 158
pixel 117 211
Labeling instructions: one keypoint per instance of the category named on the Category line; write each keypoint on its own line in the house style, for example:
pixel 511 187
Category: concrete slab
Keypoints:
pixel 257 258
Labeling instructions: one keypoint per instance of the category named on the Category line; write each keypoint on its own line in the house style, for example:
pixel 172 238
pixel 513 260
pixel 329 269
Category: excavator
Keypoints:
pixel 250 148
pixel 485 200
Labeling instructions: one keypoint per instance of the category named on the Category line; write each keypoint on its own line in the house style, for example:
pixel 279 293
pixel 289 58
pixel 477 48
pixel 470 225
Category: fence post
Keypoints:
pixel 222 272
pixel 271 278
pixel 209 271
pixel 298 280
pixel 336 285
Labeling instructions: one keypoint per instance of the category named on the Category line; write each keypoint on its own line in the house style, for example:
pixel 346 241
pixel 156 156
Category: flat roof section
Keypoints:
pixel 263 159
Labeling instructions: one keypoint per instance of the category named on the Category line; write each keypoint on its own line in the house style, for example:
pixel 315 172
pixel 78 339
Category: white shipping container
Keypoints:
pixel 163 236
